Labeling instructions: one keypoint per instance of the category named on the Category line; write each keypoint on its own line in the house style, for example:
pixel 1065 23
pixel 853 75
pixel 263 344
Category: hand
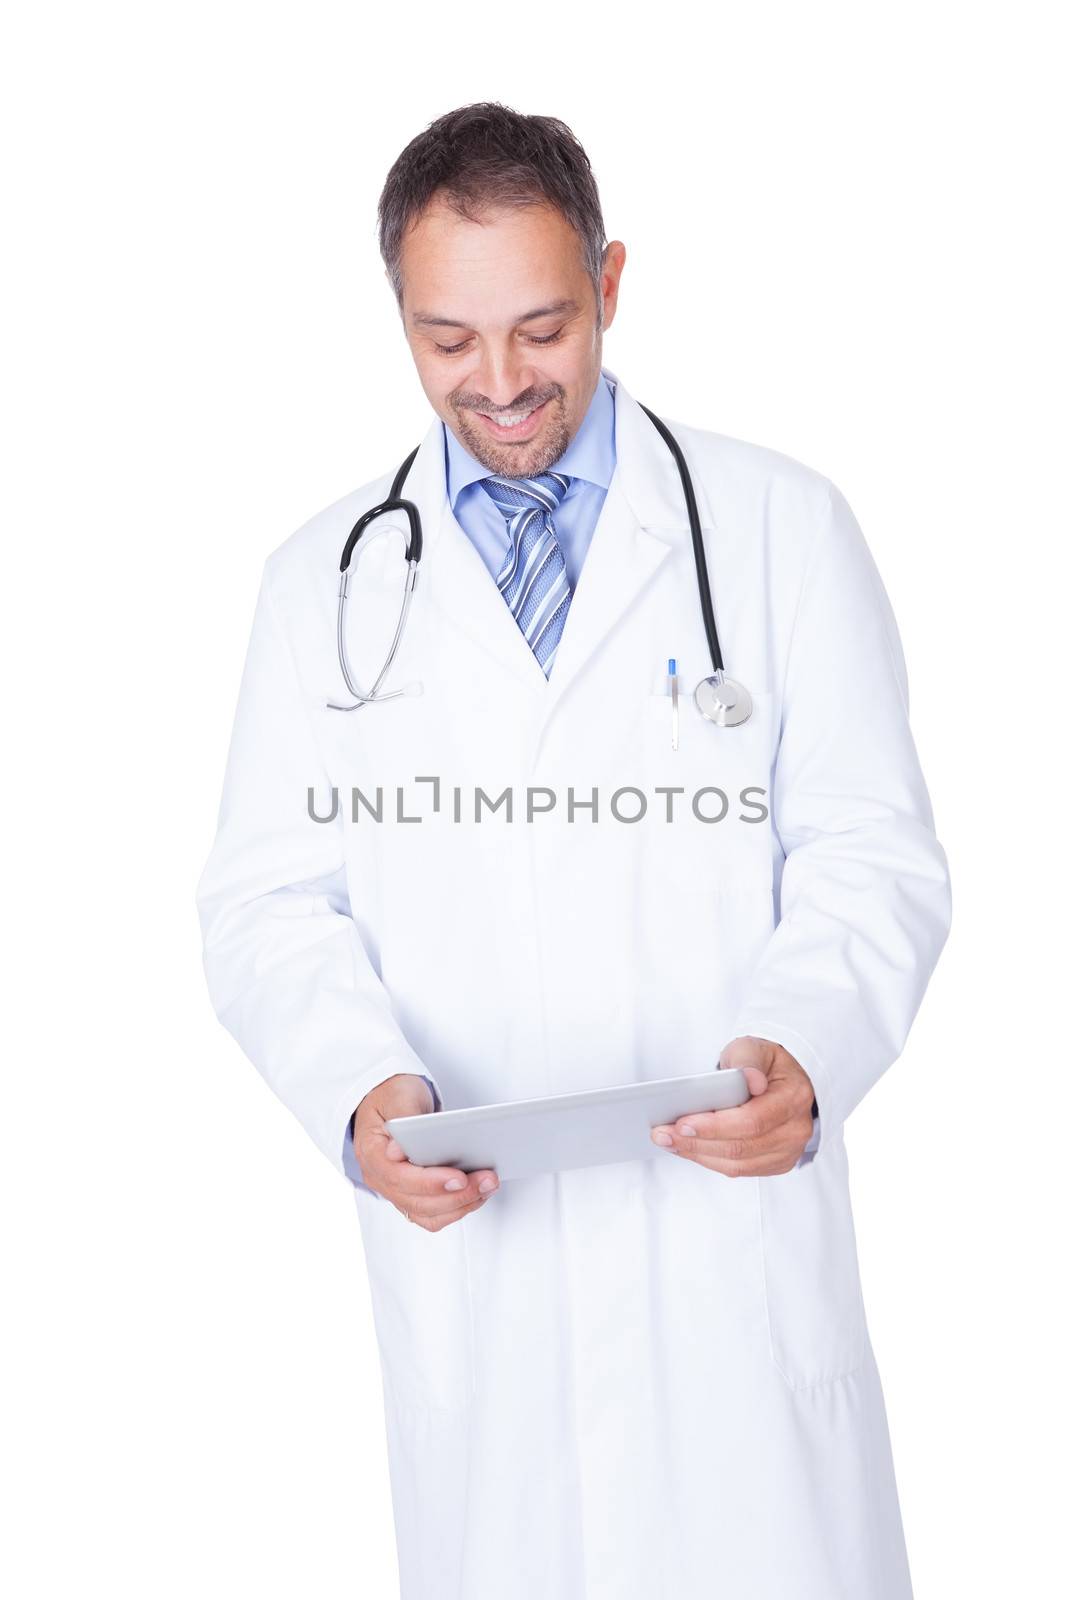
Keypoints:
pixel 764 1136
pixel 431 1196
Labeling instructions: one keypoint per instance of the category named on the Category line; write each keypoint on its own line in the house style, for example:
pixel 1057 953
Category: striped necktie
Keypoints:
pixel 533 579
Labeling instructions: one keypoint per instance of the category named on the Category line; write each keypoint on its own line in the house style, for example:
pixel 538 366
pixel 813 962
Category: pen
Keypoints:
pixel 672 670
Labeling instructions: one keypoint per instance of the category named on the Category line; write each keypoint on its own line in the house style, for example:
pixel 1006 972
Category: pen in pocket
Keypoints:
pixel 672 672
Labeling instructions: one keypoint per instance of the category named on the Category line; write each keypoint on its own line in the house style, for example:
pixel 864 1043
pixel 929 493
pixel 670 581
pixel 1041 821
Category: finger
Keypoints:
pixel 441 1188
pixel 763 1119
pixel 779 1140
pixel 379 1142
pixel 749 1052
pixel 765 1111
pixel 758 1124
pixel 451 1181
pixel 757 1078
pixel 429 1213
pixel 729 1152
pixel 376 1147
pixel 782 1102
pixel 776 1160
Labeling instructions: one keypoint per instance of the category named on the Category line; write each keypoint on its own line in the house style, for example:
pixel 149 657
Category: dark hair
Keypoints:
pixel 486 155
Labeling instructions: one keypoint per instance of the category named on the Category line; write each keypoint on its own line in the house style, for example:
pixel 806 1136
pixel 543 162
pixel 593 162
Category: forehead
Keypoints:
pixel 507 264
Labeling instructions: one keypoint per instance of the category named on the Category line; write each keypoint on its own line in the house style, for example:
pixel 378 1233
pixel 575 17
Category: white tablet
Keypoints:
pixel 583 1128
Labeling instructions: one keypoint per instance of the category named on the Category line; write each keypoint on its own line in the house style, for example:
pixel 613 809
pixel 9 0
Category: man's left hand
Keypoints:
pixel 764 1136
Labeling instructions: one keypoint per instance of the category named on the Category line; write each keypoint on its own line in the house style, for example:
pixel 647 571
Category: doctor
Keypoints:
pixel 650 1380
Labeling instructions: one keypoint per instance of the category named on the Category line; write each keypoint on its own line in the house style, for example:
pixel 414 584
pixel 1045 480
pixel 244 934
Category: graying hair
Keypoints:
pixel 485 155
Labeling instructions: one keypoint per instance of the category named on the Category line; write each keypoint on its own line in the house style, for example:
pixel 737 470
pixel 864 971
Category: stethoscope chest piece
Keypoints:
pixel 723 700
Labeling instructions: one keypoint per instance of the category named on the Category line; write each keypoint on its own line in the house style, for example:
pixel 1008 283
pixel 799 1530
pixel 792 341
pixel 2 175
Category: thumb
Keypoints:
pixel 755 1077
pixel 754 1057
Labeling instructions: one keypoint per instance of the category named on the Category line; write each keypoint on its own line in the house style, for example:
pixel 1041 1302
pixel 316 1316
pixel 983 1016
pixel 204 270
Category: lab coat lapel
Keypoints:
pixel 454 578
pixel 624 554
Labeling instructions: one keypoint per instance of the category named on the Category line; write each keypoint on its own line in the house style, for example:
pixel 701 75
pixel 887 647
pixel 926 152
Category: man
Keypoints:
pixel 639 1379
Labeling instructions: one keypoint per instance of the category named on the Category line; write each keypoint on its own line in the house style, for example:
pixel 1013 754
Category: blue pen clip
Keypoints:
pixel 672 673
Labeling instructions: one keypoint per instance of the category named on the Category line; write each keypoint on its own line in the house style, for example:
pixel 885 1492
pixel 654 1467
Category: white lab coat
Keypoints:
pixel 640 1381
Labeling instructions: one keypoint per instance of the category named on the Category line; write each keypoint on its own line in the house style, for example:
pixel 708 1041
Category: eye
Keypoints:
pixel 455 349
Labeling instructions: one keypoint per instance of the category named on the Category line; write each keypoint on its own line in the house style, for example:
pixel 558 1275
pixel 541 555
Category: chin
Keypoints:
pixel 526 458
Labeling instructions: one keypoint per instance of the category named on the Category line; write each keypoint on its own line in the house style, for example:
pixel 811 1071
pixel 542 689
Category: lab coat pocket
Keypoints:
pixel 816 1321
pixel 720 814
pixel 420 1298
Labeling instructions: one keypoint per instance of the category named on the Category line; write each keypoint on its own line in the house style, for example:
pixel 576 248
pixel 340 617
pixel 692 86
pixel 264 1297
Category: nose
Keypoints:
pixel 503 376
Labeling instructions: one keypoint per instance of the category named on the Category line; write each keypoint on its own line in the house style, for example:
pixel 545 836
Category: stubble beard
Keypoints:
pixel 536 457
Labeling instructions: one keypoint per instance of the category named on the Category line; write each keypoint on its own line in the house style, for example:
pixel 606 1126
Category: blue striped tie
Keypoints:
pixel 533 579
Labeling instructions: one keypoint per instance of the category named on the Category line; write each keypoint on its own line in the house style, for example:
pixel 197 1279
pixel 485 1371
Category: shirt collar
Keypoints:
pixel 590 454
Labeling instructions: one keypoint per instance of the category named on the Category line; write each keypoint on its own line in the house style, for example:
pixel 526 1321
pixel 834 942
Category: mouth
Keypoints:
pixel 513 425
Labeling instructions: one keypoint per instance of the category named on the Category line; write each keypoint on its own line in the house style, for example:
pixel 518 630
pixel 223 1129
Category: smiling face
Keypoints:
pixel 500 316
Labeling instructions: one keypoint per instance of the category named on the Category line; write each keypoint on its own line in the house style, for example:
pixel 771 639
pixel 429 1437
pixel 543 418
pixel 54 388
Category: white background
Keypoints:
pixel 842 225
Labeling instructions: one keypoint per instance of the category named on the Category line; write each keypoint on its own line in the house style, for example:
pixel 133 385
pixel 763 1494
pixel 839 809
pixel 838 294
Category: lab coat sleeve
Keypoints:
pixel 287 972
pixel 865 893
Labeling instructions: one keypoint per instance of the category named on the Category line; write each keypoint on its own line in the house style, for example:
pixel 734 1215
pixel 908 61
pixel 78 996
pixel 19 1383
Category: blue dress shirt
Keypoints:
pixel 589 460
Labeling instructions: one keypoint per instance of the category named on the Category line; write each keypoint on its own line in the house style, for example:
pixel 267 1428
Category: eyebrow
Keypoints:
pixel 424 320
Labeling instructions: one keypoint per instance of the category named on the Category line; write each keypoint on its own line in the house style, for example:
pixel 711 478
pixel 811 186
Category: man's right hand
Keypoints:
pixel 431 1196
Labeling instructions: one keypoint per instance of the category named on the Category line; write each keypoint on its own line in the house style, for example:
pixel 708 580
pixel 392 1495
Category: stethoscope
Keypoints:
pixel 719 699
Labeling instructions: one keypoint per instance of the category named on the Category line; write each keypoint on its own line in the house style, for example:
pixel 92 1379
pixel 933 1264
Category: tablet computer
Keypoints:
pixel 582 1128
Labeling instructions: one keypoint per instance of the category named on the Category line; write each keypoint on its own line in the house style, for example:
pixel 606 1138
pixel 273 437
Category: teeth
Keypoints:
pixel 511 419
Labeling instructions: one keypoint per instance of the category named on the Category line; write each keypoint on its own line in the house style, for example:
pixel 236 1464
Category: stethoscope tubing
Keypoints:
pixel 703 581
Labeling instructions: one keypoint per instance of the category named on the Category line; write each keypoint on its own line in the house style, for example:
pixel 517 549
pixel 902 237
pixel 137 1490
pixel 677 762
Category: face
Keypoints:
pixel 500 316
